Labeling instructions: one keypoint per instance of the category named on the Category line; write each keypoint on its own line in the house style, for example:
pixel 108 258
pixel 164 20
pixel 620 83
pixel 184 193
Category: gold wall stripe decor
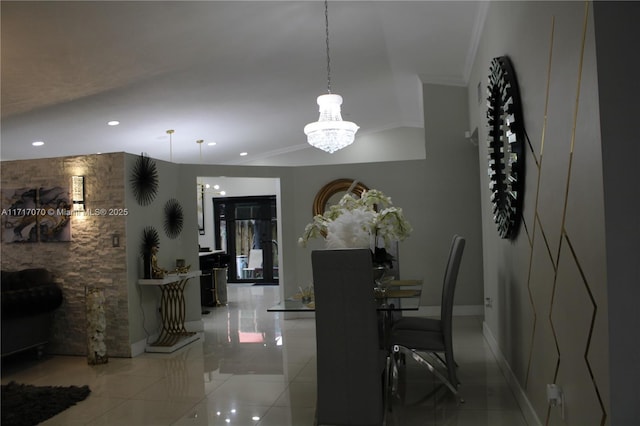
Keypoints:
pixel 563 259
pixel 538 161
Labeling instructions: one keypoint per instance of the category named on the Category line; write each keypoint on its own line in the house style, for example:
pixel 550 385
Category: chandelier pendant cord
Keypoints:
pixel 326 26
pixel 170 133
pixel 199 142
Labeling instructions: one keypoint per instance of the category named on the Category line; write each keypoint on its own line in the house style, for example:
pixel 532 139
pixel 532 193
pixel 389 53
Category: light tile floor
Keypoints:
pixel 251 367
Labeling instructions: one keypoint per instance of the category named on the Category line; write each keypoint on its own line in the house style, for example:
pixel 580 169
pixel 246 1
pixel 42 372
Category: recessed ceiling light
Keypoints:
pixel 216 187
pixel 211 143
pixel 223 192
pixel 242 154
pixel 37 143
pixel 113 122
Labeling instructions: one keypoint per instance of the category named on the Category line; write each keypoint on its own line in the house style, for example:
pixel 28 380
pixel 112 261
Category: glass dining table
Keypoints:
pixel 391 299
pixel 396 295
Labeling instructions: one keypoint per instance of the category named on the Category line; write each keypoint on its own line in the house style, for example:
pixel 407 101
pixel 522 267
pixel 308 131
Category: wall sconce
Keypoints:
pixel 77 193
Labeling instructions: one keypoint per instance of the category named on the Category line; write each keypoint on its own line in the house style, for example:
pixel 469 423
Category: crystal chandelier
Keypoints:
pixel 330 133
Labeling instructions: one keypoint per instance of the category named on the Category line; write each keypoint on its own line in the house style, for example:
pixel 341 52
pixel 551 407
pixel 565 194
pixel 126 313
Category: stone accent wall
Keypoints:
pixel 89 260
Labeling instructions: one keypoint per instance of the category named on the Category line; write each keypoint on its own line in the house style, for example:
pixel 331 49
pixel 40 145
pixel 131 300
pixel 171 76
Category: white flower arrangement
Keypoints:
pixel 363 222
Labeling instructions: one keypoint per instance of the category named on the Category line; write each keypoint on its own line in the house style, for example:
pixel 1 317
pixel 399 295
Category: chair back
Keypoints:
pixel 255 259
pixel 348 351
pixel 449 288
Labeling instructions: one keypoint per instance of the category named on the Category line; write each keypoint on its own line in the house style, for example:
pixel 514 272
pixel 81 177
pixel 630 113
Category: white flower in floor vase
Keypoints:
pixel 96 327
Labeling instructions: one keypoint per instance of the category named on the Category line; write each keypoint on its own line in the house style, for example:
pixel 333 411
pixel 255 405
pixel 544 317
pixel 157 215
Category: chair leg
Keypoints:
pixel 442 360
pixel 451 367
pixel 430 367
pixel 386 386
pixel 451 372
pixel 393 377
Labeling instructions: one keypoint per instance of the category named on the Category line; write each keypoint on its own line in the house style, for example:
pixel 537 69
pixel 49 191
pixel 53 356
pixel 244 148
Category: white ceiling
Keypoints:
pixel 242 74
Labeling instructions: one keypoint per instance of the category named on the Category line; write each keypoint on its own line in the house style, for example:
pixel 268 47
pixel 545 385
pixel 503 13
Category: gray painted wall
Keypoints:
pixel 439 195
pixel 452 192
pixel 550 316
pixel 144 301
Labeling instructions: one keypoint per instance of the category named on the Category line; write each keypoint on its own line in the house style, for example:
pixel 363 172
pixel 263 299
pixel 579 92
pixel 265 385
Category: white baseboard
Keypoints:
pixel 521 396
pixel 138 347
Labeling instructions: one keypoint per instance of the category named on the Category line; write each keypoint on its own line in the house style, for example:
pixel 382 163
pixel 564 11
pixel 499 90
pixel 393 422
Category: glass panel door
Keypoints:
pixel 247 228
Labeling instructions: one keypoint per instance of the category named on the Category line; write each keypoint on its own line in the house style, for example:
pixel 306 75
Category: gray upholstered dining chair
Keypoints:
pixel 417 336
pixel 350 364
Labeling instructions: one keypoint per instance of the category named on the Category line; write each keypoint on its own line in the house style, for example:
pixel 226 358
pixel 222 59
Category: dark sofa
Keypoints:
pixel 29 299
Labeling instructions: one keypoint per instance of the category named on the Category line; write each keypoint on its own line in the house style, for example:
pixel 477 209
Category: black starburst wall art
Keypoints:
pixel 150 239
pixel 173 218
pixel 144 180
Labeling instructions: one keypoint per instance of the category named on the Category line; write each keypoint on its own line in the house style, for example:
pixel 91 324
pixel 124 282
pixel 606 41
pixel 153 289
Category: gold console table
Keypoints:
pixel 173 311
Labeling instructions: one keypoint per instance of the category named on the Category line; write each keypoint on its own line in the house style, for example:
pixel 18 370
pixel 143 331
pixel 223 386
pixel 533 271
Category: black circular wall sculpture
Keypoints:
pixel 173 218
pixel 144 180
pixel 505 147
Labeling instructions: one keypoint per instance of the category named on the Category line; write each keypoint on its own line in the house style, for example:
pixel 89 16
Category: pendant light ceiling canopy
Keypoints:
pixel 330 133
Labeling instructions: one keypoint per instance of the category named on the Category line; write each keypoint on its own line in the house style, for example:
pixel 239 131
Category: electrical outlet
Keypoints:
pixel 555 397
pixel 488 302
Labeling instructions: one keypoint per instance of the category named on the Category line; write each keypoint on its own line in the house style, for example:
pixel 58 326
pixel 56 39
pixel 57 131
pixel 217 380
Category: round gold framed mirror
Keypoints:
pixel 332 192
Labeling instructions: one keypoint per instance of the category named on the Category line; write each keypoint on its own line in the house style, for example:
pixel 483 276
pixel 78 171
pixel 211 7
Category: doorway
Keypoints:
pixel 247 229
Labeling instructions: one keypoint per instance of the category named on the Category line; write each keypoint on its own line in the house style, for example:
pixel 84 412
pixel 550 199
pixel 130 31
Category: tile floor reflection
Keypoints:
pixel 253 368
